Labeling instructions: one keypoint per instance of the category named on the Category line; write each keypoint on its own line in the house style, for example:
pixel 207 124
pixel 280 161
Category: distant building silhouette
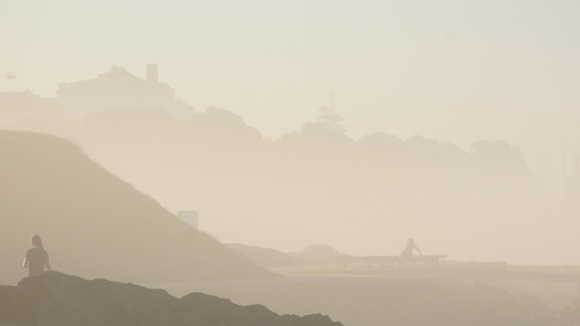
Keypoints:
pixel 117 89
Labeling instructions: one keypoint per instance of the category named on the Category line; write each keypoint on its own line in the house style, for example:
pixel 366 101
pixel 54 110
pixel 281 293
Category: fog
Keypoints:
pixel 297 142
pixel 456 71
pixel 318 185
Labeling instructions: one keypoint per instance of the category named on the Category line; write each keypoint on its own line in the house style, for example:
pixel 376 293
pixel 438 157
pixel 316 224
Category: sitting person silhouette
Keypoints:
pixel 36 258
pixel 408 250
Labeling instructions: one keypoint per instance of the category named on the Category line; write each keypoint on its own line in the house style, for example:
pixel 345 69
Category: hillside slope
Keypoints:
pixel 266 257
pixel 316 252
pixel 316 182
pixel 95 225
pixel 59 299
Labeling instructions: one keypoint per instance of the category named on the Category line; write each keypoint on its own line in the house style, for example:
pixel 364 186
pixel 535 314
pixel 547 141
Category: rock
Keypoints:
pixel 56 299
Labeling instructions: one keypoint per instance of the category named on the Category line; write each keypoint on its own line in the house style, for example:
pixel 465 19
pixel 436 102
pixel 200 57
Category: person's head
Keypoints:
pixel 410 242
pixel 36 242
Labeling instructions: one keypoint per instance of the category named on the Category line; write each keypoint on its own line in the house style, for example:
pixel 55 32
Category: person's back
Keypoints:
pixel 36 258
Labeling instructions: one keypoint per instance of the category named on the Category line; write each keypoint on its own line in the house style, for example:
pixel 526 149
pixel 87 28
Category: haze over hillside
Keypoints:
pixel 384 163
pixel 96 225
pixel 459 117
pixel 318 185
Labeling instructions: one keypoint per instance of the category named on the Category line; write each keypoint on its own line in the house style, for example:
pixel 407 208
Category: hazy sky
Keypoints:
pixel 456 71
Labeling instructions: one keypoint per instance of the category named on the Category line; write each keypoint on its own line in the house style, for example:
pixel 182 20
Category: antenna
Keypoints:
pixel 332 101
pixel 538 177
pixel 577 166
pixel 564 166
pixel 543 165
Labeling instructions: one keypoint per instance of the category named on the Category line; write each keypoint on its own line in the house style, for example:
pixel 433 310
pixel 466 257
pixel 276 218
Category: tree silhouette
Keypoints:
pixel 330 119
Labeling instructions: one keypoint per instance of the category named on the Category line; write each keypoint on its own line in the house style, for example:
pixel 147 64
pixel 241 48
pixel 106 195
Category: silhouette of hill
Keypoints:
pixel 368 195
pixel 316 252
pixel 266 257
pixel 59 299
pixel 96 225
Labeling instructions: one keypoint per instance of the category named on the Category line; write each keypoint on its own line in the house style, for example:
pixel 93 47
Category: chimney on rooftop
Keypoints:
pixel 152 73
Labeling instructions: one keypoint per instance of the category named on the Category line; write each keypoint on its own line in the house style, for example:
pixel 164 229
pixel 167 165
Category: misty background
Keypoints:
pixel 450 110
pixel 457 71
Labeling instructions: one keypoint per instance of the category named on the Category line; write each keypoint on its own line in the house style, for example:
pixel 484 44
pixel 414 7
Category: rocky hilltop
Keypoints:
pixel 57 299
pixel 94 224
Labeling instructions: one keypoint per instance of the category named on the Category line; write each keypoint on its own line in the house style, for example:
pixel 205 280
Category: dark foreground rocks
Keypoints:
pixel 56 299
pixel 367 301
